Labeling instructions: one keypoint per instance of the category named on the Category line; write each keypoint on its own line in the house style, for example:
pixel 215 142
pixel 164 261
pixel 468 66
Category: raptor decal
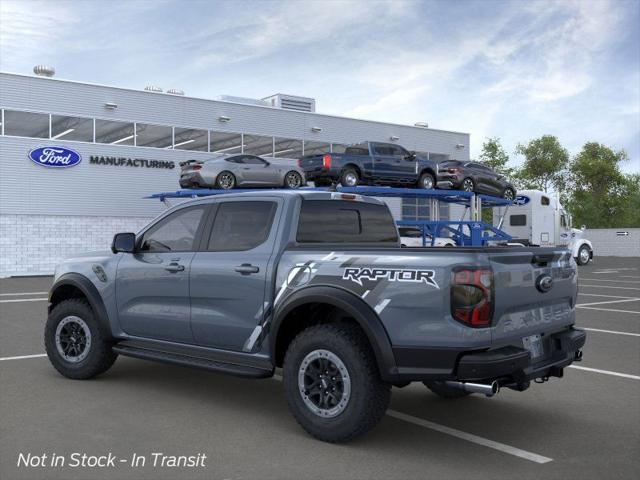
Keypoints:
pixel 392 274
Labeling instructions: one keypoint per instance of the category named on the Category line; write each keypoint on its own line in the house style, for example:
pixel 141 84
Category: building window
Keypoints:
pixel 115 133
pixel 71 128
pixel 228 143
pixel 191 139
pixel 258 145
pixel 287 148
pixel 26 124
pixel 316 148
pixel 156 136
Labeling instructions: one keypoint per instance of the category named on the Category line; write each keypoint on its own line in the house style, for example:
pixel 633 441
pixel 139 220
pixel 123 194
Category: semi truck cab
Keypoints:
pixel 538 219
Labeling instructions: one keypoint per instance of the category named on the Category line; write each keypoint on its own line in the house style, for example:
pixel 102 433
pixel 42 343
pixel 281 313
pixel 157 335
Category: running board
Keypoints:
pixel 193 362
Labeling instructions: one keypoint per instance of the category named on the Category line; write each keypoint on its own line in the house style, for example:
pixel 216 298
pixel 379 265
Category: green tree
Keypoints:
pixel 544 165
pixel 600 195
pixel 494 156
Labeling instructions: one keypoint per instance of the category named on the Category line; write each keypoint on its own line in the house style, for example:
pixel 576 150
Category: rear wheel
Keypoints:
pixel 468 185
pixel 349 178
pixel 584 255
pixel 426 181
pixel 442 390
pixel 508 194
pixel 293 180
pixel 74 341
pixel 332 384
pixel 225 180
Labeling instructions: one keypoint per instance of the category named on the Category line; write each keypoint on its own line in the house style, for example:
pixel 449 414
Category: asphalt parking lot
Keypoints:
pixel 586 425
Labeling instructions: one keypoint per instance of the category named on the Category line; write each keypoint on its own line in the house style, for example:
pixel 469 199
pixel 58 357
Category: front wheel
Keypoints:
pixel 74 341
pixel 332 383
pixel 426 181
pixel 293 180
pixel 584 255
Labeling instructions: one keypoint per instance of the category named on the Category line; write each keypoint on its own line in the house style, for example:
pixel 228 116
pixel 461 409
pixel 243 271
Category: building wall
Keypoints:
pixel 47 214
pixel 607 243
pixel 35 244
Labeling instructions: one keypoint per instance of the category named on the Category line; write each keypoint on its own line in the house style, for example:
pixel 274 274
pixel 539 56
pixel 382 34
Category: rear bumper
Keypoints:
pixel 508 364
pixel 192 179
pixel 321 174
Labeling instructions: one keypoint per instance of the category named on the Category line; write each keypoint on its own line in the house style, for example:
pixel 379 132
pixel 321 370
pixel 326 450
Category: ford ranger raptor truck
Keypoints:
pixel 317 284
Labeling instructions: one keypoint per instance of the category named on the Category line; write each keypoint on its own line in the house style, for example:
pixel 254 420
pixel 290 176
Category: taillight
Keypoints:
pixel 326 161
pixel 299 162
pixel 472 296
pixel 453 170
pixel 196 167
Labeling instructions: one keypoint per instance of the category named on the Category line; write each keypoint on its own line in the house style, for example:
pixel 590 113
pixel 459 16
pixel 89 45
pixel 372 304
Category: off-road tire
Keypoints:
pixel 100 357
pixel 347 172
pixel 440 389
pixel 369 397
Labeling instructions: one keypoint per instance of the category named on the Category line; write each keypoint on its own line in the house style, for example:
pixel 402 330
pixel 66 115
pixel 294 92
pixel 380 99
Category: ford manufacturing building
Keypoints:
pixel 129 144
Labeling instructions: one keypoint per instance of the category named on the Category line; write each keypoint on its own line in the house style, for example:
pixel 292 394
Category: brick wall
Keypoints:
pixel 34 244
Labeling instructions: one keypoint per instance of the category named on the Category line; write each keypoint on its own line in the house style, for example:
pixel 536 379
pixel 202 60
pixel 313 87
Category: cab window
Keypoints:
pixel 241 225
pixel 545 200
pixel 174 233
pixel 518 220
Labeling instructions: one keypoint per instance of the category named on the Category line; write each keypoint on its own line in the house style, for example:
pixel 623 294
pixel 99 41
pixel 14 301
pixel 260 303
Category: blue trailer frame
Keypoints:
pixel 472 232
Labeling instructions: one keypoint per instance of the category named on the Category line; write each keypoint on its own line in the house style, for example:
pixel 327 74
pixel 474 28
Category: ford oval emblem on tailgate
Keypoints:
pixel 544 283
pixel 55 157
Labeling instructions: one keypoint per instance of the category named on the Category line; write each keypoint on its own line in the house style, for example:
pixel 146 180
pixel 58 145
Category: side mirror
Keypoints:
pixel 411 156
pixel 124 242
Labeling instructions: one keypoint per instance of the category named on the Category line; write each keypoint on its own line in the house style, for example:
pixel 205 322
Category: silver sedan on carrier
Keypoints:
pixel 229 171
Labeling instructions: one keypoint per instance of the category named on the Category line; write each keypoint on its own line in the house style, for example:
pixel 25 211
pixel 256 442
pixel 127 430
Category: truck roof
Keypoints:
pixel 305 194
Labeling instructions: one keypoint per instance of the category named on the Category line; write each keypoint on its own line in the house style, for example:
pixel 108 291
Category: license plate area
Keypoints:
pixel 534 344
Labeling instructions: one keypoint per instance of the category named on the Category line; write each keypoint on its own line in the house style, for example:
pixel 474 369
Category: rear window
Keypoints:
pixel 342 221
pixel 518 220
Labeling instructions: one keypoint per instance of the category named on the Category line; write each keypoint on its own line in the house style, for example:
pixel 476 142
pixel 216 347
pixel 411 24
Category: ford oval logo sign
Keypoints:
pixel 55 157
pixel 521 200
pixel 544 283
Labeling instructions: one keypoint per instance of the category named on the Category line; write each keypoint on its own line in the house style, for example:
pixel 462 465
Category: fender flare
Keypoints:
pixel 357 308
pixel 89 291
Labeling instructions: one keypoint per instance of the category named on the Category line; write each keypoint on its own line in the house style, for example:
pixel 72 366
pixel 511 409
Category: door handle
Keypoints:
pixel 174 268
pixel 247 269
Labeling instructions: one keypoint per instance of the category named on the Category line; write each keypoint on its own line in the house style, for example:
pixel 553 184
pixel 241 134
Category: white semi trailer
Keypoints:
pixel 537 218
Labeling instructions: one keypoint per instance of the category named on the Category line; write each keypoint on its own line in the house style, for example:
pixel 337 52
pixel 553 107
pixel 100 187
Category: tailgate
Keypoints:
pixel 535 294
pixel 311 163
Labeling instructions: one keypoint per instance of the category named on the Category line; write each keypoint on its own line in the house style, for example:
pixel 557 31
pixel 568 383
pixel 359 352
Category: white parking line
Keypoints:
pixel 469 437
pixel 609 310
pixel 611 331
pixel 534 457
pixel 629 276
pixel 25 300
pixel 606 372
pixel 612 281
pixel 600 295
pixel 22 357
pixel 610 286
pixel 21 294
pixel 608 301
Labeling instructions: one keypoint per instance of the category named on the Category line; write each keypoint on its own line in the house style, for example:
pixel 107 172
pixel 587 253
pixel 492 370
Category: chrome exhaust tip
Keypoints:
pixel 486 389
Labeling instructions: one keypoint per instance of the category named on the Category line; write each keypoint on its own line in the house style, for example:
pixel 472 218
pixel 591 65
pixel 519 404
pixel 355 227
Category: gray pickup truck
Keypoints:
pixel 316 283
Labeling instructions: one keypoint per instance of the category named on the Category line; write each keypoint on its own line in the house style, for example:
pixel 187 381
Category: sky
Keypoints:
pixel 509 69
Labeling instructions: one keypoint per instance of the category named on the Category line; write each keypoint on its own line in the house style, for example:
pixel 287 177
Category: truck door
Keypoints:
pixel 229 276
pixel 152 284
pixel 543 222
pixel 564 230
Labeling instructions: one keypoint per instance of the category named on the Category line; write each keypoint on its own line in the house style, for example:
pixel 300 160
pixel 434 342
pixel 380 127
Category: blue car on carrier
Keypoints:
pixel 371 163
